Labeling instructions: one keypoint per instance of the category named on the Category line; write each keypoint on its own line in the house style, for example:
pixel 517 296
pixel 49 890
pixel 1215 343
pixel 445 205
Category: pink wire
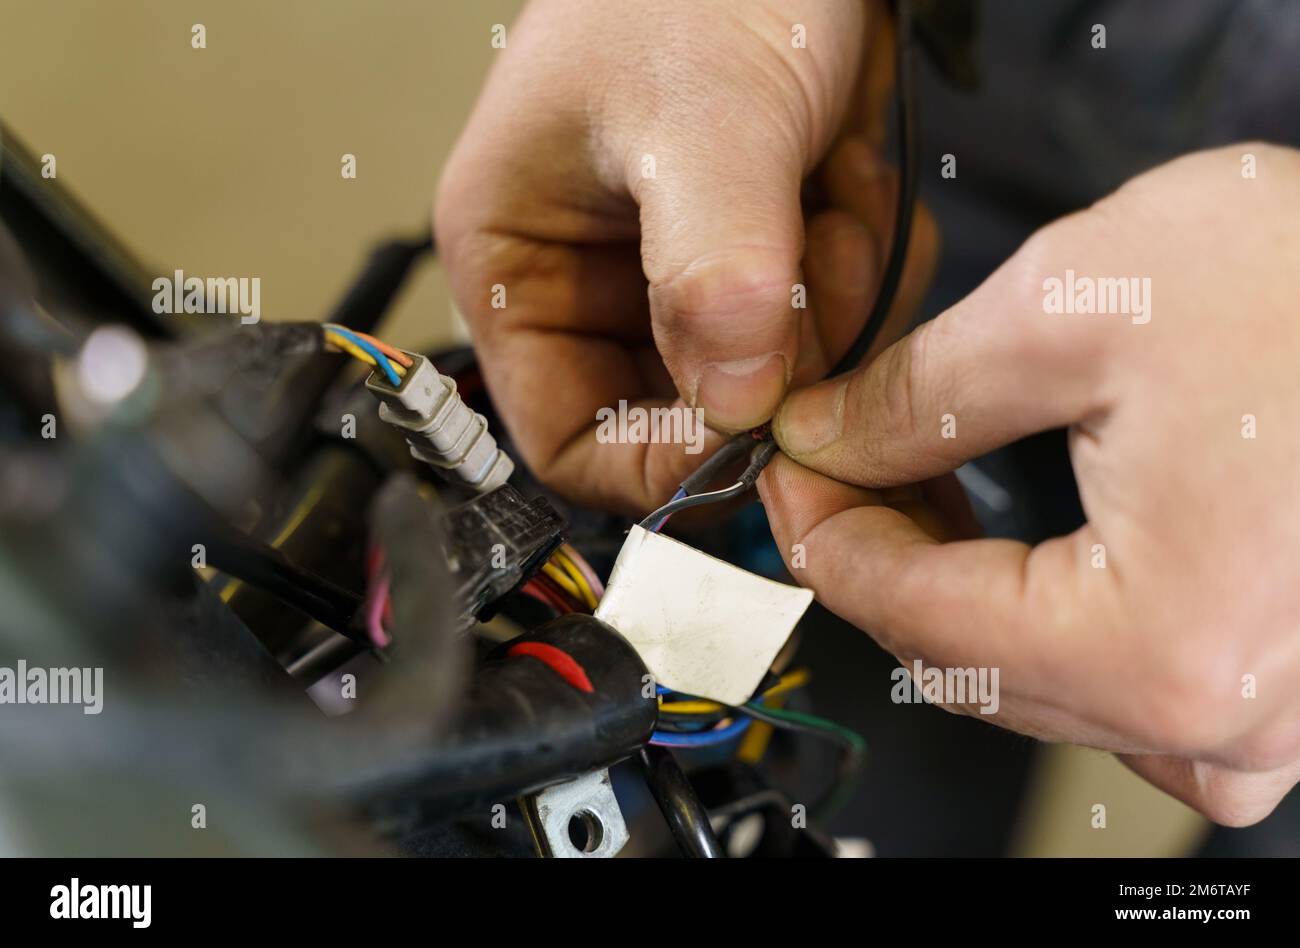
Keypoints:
pixel 375 614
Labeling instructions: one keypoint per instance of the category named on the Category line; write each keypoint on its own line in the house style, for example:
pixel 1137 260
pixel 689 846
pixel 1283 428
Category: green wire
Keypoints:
pixel 853 738
pixel 852 744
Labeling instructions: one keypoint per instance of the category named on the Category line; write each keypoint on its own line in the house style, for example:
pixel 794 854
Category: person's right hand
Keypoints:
pixel 547 198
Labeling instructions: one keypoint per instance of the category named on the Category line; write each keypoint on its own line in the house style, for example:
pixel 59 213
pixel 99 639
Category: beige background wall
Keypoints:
pixel 226 160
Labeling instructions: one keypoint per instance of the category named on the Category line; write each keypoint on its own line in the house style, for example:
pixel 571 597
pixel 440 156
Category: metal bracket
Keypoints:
pixel 577 819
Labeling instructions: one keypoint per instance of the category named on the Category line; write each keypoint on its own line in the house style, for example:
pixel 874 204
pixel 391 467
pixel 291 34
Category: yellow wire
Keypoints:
pixel 562 579
pixel 299 514
pixel 788 682
pixel 582 566
pixel 753 745
pixel 566 563
pixel 352 349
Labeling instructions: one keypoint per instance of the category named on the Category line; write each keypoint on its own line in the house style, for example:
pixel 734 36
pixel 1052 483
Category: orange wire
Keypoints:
pixel 385 348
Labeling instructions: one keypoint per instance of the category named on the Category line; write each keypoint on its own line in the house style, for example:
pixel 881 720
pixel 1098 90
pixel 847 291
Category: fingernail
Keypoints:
pixel 811 419
pixel 742 393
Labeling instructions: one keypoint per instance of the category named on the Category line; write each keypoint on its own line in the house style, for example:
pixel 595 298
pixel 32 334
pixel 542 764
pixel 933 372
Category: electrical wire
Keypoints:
pixel 580 579
pixel 378 603
pixel 762 453
pixel 709 723
pixel 720 735
pixel 375 614
pixel 810 724
pixel 731 451
pixel 346 346
pixel 583 567
pixel 709 716
pixel 686 816
pixel 791 680
pixel 563 602
pixel 535 590
pixel 681 501
pixel 341 337
pixel 397 355
pixel 659 522
pixel 357 352
pixel 852 749
pixel 908 172
pixel 565 582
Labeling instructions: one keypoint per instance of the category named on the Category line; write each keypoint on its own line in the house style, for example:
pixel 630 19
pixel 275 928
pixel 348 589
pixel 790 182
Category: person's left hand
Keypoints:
pixel 1167 628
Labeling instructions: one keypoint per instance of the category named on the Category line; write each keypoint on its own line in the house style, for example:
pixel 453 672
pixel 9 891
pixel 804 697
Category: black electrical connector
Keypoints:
pixel 495 542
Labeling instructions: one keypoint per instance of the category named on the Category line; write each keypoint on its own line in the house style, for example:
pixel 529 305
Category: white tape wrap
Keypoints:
pixel 702 626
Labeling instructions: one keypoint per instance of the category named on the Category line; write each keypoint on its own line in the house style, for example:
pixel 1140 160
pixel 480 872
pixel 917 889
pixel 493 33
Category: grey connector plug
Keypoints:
pixel 440 428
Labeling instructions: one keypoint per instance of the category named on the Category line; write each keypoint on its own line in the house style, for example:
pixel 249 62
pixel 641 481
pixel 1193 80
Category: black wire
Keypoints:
pixel 686 815
pixel 909 163
pixel 730 452
pixel 258 564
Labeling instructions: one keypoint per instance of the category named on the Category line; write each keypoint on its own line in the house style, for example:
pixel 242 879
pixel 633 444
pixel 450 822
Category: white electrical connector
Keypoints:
pixel 440 428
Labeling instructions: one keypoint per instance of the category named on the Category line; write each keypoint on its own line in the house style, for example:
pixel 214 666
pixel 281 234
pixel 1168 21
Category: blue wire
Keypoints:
pixel 381 360
pixel 681 492
pixel 702 738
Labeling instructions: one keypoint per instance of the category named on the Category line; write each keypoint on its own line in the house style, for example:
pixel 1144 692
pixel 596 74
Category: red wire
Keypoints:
pixel 547 596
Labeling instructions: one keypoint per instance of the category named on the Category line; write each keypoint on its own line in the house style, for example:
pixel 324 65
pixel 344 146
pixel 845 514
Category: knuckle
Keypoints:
pixel 714 295
pixel 889 402
pixel 1038 269
pixel 903 367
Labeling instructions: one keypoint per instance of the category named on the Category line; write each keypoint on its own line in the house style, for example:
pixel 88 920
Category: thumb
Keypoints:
pixel 722 238
pixel 986 372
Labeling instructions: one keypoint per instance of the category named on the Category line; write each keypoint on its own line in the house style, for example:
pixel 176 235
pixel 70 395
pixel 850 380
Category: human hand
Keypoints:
pixel 623 147
pixel 1167 629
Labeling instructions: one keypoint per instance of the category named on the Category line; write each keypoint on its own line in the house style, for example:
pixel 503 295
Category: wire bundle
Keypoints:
pixel 687 723
pixel 696 722
pixel 566 583
pixel 392 362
